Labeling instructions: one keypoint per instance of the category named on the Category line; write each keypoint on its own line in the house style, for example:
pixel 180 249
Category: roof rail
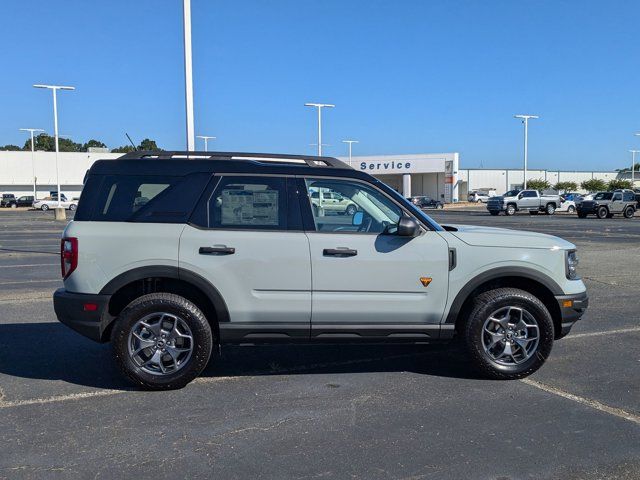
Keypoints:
pixel 310 161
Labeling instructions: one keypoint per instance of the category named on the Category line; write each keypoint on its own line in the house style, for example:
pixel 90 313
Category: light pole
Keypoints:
pixel 525 121
pixel 350 142
pixel 205 138
pixel 188 75
pixel 54 89
pixel 33 164
pixel 319 106
pixel 633 166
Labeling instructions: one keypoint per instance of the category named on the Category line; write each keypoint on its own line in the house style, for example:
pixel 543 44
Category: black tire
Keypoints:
pixel 175 305
pixel 628 212
pixel 533 212
pixel 439 206
pixel 484 306
pixel 494 214
pixel 550 209
pixel 511 210
pixel 571 209
pixel 72 207
pixel 351 210
pixel 602 212
pixel 44 207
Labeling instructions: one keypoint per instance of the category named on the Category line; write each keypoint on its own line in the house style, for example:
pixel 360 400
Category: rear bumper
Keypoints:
pixel 572 308
pixel 74 311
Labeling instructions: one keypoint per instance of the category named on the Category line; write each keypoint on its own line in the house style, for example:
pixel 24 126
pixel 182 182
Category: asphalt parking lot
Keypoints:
pixel 324 412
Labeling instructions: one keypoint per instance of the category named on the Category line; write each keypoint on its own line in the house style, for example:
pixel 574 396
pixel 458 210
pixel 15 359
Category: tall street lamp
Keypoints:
pixel 188 75
pixel 54 89
pixel 525 121
pixel 319 106
pixel 33 165
pixel 205 138
pixel 350 143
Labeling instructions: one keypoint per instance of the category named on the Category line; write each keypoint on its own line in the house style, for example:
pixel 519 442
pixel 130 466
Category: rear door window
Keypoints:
pixel 237 202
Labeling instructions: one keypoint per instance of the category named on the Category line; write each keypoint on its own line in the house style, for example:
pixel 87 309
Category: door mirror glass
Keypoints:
pixel 357 219
pixel 408 227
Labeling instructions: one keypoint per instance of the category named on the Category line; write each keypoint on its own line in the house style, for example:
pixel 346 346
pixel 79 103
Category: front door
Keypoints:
pixel 247 243
pixel 617 205
pixel 365 276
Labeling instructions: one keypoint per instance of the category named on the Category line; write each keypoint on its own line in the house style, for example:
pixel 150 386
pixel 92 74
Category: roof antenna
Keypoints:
pixel 131 141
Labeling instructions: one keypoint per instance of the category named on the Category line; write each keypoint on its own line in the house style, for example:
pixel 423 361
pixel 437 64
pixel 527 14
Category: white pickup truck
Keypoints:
pixel 527 200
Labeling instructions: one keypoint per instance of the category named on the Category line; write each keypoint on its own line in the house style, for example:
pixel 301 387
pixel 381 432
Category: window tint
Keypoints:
pixel 529 194
pixel 363 209
pixel 252 203
pixel 141 198
pixel 628 196
pixel 617 197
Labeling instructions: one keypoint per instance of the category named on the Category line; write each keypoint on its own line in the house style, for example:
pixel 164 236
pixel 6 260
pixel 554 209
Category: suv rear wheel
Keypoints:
pixel 509 333
pixel 628 213
pixel 161 341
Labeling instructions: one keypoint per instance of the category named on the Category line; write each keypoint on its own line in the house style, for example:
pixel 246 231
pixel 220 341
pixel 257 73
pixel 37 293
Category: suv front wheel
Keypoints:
pixel 509 333
pixel 161 341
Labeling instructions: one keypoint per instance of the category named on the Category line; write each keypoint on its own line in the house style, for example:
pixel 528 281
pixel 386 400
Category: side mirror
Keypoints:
pixel 357 219
pixel 408 227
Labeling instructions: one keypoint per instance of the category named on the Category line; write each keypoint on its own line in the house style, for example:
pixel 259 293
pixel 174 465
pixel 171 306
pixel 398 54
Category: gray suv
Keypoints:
pixel 608 204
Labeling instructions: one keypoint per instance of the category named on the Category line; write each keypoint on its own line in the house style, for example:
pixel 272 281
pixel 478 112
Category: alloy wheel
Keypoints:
pixel 160 343
pixel 510 336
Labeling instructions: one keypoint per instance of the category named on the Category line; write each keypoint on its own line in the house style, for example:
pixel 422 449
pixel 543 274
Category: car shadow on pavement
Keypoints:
pixel 51 351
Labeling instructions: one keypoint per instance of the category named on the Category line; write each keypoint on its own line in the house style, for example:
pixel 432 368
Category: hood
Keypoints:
pixel 504 237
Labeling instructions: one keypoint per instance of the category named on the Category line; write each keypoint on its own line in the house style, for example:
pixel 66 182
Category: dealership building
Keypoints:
pixel 437 175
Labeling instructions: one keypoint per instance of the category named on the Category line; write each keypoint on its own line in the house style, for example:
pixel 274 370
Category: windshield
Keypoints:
pixel 603 196
pixel 511 193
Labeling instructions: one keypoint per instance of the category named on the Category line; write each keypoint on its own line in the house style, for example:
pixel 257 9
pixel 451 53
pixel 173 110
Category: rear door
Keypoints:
pixel 246 239
pixel 366 278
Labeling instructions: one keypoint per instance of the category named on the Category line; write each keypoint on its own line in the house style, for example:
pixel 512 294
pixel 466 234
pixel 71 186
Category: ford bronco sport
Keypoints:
pixel 171 253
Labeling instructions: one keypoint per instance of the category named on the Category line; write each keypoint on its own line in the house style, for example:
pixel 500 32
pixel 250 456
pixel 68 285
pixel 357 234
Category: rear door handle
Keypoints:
pixel 216 250
pixel 339 252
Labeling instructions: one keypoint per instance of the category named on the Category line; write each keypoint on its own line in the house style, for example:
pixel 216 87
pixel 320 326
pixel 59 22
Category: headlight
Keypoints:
pixel 572 264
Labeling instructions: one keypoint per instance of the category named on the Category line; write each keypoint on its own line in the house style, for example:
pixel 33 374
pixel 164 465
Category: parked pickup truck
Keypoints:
pixel 526 200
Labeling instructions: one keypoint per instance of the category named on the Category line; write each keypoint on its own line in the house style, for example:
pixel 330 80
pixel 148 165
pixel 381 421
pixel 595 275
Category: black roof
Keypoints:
pixel 184 163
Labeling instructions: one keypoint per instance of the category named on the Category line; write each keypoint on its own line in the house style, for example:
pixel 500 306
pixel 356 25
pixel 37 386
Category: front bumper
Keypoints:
pixel 75 310
pixel 572 307
pixel 496 207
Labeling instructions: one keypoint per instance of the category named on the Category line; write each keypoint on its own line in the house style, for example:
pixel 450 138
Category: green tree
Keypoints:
pixel 123 149
pixel 565 187
pixel 618 184
pixel 47 143
pixel 538 184
pixel 594 185
pixel 10 148
pixel 148 144
pixel 93 144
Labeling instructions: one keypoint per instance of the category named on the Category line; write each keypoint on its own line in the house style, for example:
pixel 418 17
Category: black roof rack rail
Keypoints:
pixel 308 160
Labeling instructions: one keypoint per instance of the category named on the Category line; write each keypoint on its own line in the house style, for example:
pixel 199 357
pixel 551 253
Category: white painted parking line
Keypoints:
pixel 617 412
pixel 30 281
pixel 82 395
pixel 26 265
pixel 606 332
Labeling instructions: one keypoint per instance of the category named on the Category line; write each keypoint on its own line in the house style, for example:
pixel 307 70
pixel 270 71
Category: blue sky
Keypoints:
pixel 406 76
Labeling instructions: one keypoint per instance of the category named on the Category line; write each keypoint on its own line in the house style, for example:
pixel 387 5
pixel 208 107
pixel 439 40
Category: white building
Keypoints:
pixel 433 174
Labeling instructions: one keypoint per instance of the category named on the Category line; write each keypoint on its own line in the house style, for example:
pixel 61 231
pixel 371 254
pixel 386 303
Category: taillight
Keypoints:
pixel 68 256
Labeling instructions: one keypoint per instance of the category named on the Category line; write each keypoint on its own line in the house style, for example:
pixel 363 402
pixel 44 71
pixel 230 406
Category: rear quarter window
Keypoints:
pixel 140 198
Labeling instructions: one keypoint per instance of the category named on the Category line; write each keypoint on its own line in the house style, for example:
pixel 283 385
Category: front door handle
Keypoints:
pixel 339 252
pixel 216 250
